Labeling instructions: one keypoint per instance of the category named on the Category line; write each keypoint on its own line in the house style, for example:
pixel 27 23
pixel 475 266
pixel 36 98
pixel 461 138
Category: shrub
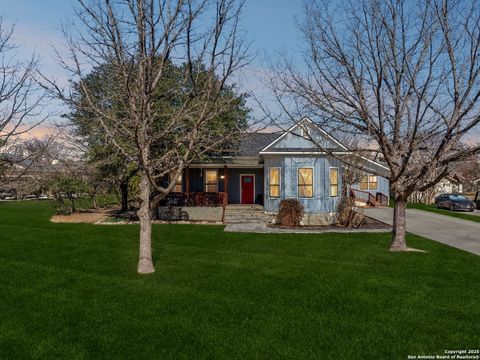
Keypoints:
pixel 67 186
pixel 64 211
pixel 347 214
pixel 290 213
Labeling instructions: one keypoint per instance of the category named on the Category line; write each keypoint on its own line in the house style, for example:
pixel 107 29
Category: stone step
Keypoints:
pixel 246 214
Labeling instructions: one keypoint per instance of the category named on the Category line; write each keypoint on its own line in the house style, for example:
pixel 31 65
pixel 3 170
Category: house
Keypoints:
pixel 269 167
pixel 448 185
pixel 476 184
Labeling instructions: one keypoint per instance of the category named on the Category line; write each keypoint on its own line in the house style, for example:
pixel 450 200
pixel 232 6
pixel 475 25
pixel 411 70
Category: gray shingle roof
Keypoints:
pixel 252 143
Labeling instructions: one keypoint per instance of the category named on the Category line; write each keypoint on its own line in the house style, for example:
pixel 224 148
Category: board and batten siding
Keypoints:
pixel 295 140
pixel 383 187
pixel 234 184
pixel 289 165
pixel 197 181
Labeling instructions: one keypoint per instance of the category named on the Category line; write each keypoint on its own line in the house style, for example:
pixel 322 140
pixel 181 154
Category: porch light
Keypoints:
pixel 222 177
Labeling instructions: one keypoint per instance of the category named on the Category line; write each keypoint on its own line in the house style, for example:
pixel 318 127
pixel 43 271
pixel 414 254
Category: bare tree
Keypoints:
pixel 165 129
pixel 20 98
pixel 40 161
pixel 402 75
pixel 469 171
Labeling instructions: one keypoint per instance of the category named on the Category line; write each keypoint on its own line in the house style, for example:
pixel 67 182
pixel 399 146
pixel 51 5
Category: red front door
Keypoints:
pixel 247 183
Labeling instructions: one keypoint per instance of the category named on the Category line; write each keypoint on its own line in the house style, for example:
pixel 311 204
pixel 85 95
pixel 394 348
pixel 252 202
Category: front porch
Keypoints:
pixel 205 191
pixel 218 185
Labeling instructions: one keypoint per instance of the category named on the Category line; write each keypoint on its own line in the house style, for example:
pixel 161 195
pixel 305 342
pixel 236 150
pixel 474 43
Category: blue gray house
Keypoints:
pixel 269 167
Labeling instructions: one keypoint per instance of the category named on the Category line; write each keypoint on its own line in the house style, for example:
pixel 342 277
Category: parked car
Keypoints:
pixel 7 195
pixel 454 202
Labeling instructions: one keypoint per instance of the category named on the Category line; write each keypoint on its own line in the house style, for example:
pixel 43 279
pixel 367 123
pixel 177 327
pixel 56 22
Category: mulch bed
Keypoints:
pixel 367 223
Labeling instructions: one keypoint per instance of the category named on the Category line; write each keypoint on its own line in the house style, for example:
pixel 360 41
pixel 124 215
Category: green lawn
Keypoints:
pixel 71 292
pixel 457 214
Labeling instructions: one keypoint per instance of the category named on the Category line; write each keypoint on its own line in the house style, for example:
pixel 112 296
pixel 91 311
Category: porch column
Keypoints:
pixel 225 183
pixel 187 179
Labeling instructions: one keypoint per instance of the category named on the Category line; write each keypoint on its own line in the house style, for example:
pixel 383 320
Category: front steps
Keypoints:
pixel 245 214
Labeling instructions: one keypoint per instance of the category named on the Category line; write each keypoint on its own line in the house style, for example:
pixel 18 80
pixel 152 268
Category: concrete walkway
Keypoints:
pixel 459 233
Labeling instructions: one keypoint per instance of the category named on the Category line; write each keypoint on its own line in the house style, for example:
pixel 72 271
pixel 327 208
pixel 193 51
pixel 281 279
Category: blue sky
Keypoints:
pixel 270 23
pixel 270 26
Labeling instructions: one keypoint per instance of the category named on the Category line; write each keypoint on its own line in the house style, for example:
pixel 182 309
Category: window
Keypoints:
pixel 369 182
pixel 211 181
pixel 373 182
pixel 305 182
pixel 274 182
pixel 178 184
pixel 364 183
pixel 334 182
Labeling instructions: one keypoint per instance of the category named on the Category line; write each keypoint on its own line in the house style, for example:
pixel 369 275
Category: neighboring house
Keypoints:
pixel 476 184
pixel 449 185
pixel 270 167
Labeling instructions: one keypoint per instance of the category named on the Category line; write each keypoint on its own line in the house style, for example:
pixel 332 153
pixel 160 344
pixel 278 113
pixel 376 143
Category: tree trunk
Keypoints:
pixel 145 262
pixel 124 194
pixel 399 221
pixel 72 200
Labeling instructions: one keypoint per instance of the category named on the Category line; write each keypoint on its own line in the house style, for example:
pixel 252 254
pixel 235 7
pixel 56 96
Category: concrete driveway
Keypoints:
pixel 462 234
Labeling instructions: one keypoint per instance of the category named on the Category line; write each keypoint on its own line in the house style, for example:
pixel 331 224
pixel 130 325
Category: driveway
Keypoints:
pixel 462 234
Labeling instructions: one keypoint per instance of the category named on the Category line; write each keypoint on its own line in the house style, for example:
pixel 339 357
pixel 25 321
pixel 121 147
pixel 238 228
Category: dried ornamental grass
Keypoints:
pixel 290 213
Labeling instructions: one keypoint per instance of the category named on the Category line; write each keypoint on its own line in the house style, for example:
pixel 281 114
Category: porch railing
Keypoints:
pixel 381 198
pixel 363 196
pixel 194 199
pixel 368 198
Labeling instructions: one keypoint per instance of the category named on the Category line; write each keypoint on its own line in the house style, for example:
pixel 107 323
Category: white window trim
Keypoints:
pixel 254 190
pixel 309 121
pixel 313 182
pixel 360 183
pixel 205 179
pixel 279 182
pixel 369 182
pixel 175 185
pixel 329 183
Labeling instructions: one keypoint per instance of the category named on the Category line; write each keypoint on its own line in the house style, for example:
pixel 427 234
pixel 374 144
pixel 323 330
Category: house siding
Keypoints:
pixel 197 182
pixel 295 140
pixel 234 183
pixel 290 152
pixel 321 201
pixel 383 187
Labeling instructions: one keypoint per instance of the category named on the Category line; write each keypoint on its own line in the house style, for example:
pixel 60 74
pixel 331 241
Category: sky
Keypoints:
pixel 270 27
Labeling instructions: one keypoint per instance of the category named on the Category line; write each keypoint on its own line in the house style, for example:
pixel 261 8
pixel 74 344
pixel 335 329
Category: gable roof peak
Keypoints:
pixel 301 124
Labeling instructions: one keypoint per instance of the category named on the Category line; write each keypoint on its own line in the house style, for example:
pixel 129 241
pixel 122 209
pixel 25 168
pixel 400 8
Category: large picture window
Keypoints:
pixel 274 182
pixel 211 181
pixel 305 182
pixel 333 182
